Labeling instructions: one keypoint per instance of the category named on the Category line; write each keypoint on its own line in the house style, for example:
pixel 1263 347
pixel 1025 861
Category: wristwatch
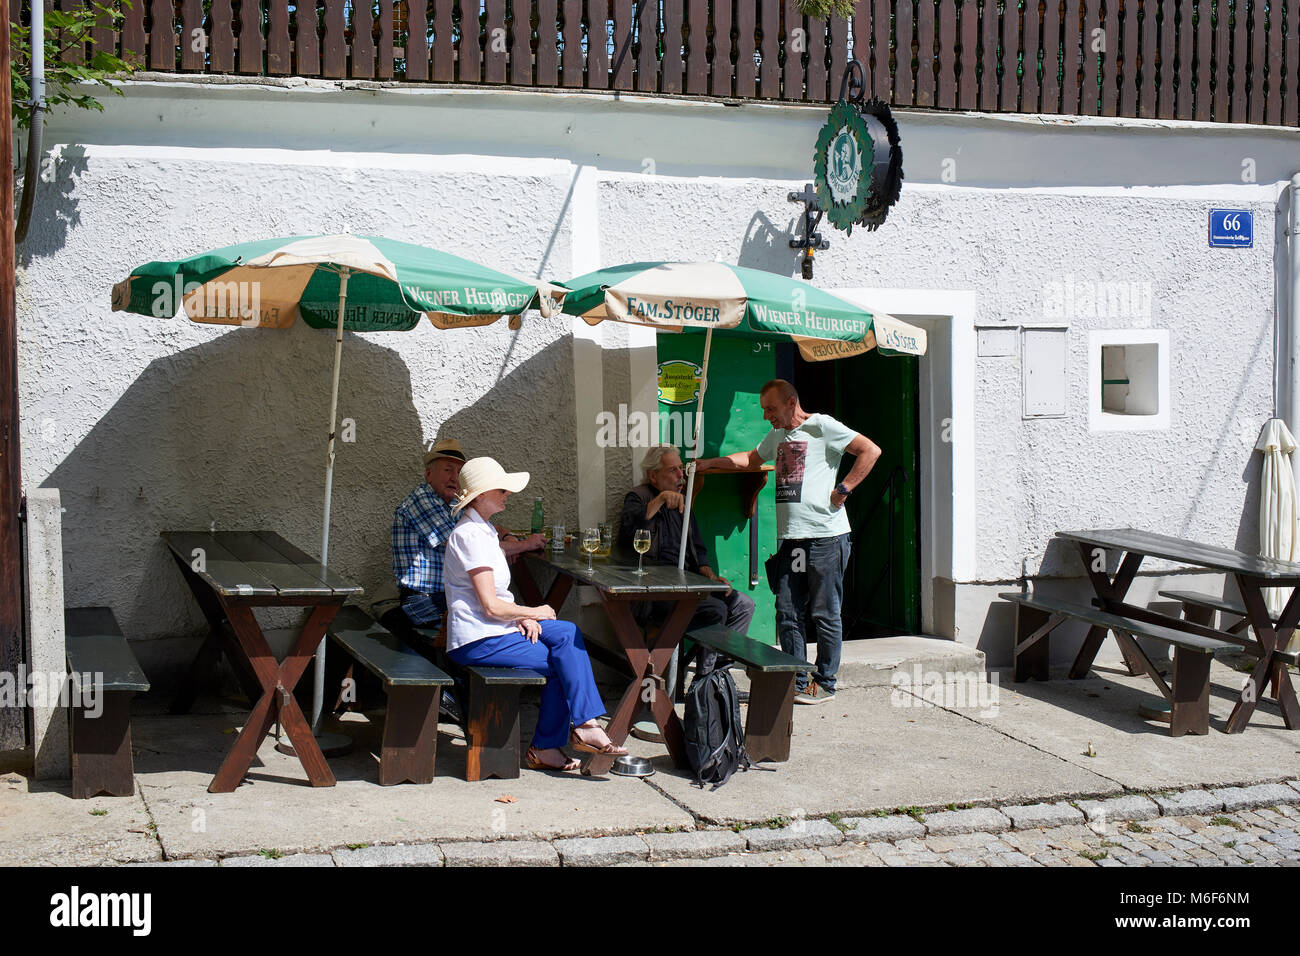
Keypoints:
pixel 841 490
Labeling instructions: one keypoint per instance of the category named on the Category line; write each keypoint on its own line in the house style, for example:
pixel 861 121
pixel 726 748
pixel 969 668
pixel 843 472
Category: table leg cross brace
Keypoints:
pixel 277 701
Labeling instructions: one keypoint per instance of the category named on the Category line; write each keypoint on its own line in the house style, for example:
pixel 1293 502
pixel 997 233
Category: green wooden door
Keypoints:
pixel 733 421
pixel 877 395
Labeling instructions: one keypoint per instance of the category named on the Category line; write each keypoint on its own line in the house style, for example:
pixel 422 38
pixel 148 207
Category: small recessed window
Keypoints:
pixel 1130 379
pixel 1129 387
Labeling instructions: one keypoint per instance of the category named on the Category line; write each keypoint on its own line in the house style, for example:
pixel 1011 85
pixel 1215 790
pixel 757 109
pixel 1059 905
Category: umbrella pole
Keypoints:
pixel 695 450
pixel 675 662
pixel 318 684
pixel 332 744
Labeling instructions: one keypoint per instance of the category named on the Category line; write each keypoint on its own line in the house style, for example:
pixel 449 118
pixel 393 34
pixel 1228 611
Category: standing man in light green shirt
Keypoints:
pixel 812 525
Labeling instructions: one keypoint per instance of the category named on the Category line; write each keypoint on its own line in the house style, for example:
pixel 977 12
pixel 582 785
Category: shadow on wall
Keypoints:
pixel 767 248
pixel 233 432
pixel 1248 531
pixel 525 422
pixel 57 209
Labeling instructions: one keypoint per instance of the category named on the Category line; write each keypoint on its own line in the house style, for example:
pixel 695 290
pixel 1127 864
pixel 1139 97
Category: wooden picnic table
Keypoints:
pixel 230 573
pixel 619 587
pixel 1252 574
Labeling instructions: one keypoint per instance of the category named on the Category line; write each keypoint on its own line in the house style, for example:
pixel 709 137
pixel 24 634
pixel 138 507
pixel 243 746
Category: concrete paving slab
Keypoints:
pixel 1127 807
pixel 863 753
pixel 800 834
pixel 501 853
pixel 421 854
pixel 914 656
pixel 602 851
pixel 1043 815
pixel 41 824
pixel 292 859
pixel 693 844
pixel 895 826
pixel 1262 795
pixel 182 863
pixel 275 808
pixel 1064 717
pixel 1188 801
pixel 974 820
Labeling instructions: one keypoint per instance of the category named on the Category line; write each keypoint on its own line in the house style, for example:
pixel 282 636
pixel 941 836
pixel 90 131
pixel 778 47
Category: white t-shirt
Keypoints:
pixel 473 544
pixel 807 462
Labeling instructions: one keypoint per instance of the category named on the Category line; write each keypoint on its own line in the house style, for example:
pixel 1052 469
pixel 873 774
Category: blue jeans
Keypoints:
pixel 424 610
pixel 570 696
pixel 810 586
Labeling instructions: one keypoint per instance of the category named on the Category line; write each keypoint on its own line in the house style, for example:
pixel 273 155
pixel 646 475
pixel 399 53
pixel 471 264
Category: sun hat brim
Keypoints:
pixel 484 474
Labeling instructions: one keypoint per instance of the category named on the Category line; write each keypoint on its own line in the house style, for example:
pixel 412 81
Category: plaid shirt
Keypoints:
pixel 421 526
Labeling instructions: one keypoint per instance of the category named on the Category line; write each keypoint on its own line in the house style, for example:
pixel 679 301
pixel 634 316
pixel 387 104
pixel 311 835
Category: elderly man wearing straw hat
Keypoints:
pixel 421 525
pixel 485 627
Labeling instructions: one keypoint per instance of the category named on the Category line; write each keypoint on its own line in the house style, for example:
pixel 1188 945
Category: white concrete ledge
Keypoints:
pixel 46 651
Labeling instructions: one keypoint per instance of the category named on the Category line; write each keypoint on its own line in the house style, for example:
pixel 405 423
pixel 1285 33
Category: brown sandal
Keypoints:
pixel 536 763
pixel 610 749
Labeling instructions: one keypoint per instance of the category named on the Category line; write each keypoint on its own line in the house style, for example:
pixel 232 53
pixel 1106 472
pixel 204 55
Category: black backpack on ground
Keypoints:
pixel 714 737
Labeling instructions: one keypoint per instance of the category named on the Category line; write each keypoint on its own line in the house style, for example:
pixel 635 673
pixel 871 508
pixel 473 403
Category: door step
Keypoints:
pixel 874 662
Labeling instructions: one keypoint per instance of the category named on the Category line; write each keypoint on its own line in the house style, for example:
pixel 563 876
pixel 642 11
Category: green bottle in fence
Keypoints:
pixel 539 519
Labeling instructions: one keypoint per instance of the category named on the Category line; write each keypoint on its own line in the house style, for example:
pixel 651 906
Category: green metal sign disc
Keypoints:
pixel 842 166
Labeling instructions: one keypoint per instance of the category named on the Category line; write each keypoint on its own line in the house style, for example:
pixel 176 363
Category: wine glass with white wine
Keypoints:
pixel 641 544
pixel 590 544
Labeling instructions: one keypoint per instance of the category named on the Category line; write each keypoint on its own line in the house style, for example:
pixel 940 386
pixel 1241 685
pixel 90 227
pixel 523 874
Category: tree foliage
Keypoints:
pixel 820 9
pixel 67 32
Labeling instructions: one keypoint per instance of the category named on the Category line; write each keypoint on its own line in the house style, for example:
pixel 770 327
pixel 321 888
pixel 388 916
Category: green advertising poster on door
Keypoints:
pixel 733 422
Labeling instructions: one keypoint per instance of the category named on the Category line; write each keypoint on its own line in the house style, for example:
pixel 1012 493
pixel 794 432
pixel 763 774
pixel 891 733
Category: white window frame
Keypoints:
pixel 1100 420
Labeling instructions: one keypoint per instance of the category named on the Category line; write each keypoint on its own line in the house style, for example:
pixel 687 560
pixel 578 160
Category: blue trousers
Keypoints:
pixel 570 696
pixel 811 586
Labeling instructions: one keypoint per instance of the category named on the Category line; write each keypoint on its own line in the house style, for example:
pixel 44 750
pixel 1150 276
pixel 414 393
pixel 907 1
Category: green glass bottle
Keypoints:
pixel 539 520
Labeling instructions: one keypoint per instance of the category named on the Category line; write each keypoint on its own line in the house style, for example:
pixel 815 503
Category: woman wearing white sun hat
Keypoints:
pixel 486 628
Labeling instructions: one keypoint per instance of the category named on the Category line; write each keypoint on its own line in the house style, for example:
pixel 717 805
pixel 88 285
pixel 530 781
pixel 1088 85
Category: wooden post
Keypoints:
pixel 12 728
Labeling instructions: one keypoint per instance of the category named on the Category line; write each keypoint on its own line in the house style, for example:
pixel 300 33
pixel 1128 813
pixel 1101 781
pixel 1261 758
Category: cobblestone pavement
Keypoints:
pixel 1230 826
pixel 1267 836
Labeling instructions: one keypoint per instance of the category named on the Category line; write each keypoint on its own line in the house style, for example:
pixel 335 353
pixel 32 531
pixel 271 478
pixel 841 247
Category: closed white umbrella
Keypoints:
pixel 1279 536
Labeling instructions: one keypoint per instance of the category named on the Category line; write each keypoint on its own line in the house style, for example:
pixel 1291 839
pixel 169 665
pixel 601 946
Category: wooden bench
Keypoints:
pixel 492 720
pixel 1189 697
pixel 770 719
pixel 490 705
pixel 1199 608
pixel 105 675
pixel 491 708
pixel 413 686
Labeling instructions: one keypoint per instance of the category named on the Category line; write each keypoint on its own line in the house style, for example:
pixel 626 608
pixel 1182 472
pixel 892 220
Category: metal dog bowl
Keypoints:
pixel 630 766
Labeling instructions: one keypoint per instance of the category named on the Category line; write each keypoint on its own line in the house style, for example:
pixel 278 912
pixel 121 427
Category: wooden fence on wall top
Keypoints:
pixel 1216 60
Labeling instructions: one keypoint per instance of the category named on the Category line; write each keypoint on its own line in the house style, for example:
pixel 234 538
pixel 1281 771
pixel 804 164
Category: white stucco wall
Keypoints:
pixel 148 425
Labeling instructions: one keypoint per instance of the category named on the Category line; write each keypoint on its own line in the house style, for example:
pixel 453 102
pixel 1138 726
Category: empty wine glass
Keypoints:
pixel 590 543
pixel 641 544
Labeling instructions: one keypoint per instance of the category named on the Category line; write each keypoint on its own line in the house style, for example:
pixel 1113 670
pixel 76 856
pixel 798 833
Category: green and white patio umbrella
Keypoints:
pixel 343 282
pixel 674 296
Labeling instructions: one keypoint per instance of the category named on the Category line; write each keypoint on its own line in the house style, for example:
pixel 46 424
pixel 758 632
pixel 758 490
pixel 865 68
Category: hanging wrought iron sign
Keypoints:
pixel 858 162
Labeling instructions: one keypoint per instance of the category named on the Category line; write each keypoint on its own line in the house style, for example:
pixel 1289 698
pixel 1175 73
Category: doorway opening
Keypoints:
pixel 879 397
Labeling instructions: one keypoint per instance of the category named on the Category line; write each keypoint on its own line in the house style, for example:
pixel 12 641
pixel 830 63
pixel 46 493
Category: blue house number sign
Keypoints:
pixel 1232 228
